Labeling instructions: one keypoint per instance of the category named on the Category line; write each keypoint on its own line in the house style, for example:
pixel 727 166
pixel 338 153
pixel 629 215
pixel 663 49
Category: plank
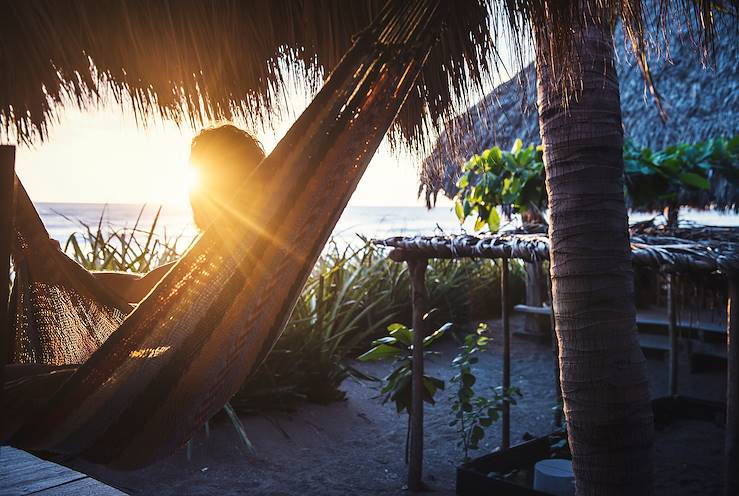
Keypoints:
pixel 22 474
pixel 695 347
pixel 81 487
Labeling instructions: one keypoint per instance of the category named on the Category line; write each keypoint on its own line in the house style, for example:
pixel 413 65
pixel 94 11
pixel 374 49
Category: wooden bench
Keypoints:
pixel 657 341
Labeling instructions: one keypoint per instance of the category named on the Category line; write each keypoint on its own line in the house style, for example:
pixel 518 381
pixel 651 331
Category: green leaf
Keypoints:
pixel 437 334
pixel 459 210
pixel 403 335
pixel 463 181
pixel 468 380
pixel 494 220
pixel 380 352
pixel 694 180
pixel 477 433
pixel 517 145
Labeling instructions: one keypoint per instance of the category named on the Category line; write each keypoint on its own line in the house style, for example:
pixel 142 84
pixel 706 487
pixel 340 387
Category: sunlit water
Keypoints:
pixel 65 219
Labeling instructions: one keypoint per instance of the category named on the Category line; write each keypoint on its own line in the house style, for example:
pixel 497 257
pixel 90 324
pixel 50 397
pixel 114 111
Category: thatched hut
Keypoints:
pixel 700 103
pixel 198 61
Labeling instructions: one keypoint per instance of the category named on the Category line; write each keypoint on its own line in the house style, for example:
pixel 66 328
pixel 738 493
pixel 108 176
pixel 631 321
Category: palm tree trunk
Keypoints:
pixel 603 372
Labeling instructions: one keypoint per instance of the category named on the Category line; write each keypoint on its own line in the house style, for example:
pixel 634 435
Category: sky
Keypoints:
pixel 101 155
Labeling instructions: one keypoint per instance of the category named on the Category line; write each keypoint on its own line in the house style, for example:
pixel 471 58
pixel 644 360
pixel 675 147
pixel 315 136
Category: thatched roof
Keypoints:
pixel 209 60
pixel 198 61
pixel 700 104
pixel 667 254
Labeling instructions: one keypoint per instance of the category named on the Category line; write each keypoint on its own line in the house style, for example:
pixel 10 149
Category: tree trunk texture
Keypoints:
pixel 602 368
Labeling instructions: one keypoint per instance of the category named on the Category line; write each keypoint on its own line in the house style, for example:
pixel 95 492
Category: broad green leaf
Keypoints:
pixel 380 352
pixel 403 334
pixel 517 145
pixel 459 210
pixel 694 180
pixel 437 334
pixel 494 220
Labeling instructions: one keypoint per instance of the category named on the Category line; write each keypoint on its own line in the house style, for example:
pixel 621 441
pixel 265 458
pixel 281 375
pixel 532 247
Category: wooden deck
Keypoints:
pixel 22 473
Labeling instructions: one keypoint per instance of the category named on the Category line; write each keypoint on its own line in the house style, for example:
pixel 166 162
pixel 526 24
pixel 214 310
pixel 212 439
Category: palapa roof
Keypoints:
pixel 662 253
pixel 199 61
pixel 700 103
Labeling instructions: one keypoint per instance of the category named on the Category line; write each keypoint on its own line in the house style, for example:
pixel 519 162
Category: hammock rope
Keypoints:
pixel 187 347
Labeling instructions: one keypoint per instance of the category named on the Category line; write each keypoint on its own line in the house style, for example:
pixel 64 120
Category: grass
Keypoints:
pixel 351 296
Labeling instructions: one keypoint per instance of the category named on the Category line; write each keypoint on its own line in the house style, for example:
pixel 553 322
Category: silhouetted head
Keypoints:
pixel 223 158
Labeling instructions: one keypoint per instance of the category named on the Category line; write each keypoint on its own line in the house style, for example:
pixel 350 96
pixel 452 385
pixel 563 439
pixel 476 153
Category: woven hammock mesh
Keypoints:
pixel 56 318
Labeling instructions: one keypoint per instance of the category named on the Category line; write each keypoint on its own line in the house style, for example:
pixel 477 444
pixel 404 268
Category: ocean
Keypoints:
pixel 64 219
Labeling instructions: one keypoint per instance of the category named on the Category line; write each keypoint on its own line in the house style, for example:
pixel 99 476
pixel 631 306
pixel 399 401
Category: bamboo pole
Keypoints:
pixel 7 180
pixel 417 270
pixel 672 366
pixel 506 424
pixel 731 479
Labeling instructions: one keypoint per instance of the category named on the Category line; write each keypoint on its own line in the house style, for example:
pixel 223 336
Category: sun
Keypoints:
pixel 192 178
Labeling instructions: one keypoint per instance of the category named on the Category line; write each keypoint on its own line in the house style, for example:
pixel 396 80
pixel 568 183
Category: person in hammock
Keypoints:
pixel 224 157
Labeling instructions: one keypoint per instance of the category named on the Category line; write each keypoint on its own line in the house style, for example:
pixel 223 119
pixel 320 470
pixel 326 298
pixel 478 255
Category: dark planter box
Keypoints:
pixel 473 480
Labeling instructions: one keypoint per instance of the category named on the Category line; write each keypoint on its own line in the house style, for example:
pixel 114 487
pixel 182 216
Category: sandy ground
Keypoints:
pixel 356 446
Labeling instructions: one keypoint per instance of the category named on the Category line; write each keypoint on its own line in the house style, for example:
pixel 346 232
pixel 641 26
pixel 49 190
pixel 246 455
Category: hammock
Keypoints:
pixel 149 376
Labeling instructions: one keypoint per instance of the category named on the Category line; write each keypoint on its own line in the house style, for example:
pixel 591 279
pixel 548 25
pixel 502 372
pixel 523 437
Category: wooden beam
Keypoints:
pixel 731 484
pixel 672 366
pixel 7 181
pixel 417 271
pixel 504 315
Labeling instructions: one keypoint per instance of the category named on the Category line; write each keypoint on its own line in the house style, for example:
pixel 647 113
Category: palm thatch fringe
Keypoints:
pixel 660 253
pixel 700 102
pixel 198 61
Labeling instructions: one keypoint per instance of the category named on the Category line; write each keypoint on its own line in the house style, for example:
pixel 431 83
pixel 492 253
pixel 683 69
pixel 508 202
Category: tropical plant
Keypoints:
pixel 511 180
pixel 350 298
pixel 474 412
pixel 514 181
pixel 398 346
pixel 136 249
pixel 657 179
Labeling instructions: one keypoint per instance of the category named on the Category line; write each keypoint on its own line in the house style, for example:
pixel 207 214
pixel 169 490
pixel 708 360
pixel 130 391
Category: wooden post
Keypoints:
pixel 672 366
pixel 506 436
pixel 534 324
pixel 731 479
pixel 7 181
pixel 417 270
